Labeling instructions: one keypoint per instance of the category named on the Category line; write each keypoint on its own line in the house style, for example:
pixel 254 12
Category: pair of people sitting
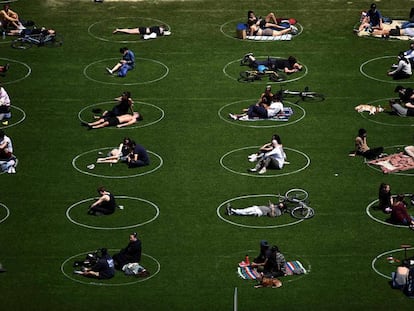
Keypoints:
pixel 268 26
pixel 268 106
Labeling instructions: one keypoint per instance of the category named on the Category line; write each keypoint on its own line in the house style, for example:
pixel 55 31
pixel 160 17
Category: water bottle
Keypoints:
pixel 4 35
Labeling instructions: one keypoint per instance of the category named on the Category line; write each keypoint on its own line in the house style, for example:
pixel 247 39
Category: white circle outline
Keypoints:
pixel 29 71
pixel 379 220
pixel 265 176
pixel 383 123
pixel 383 254
pixel 251 226
pixel 381 80
pixel 167 70
pixel 104 284
pixel 18 122
pixel 113 228
pixel 125 41
pixel 378 169
pixel 7 213
pixel 245 124
pixel 128 127
pixel 234 20
pixel 116 177
pixel 263 81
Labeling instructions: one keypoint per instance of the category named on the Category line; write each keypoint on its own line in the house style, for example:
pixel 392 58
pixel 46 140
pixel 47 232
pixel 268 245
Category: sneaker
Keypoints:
pixel 293 30
pixel 232 116
pixel 109 71
pixel 252 170
pixel 77 272
pixel 247 55
pixel 167 33
pixel 5 122
pixel 91 166
pixel 13 170
pixel 10 170
pixel 253 159
pixel 228 210
pixel 262 171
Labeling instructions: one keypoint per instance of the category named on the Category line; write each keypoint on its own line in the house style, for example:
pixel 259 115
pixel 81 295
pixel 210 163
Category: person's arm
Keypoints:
pixel 272 209
pixel 409 105
pixel 104 198
pixel 399 67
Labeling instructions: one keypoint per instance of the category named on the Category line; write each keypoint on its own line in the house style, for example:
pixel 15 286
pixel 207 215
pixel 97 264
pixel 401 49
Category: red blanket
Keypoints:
pixel 394 163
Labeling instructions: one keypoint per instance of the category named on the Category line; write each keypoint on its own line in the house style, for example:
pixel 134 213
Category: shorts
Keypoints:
pixel 113 121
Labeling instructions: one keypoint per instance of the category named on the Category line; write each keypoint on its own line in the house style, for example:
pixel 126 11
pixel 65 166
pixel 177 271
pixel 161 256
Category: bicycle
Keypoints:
pixel 297 197
pixel 304 95
pixel 27 41
pixel 253 75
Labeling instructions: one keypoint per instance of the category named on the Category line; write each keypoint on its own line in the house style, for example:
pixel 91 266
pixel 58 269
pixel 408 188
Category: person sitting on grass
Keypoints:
pixel 104 268
pixel 146 32
pixel 119 121
pixel 126 64
pixel 119 154
pixel 385 199
pixel 8 161
pixel 9 18
pixel 261 110
pixel 104 205
pixel 138 156
pixel 270 210
pixel 130 254
pixel 288 66
pixel 399 213
pixel 372 19
pixel 124 105
pixel 274 159
pixel 401 70
pixel 5 113
pixel 362 149
pixel 403 106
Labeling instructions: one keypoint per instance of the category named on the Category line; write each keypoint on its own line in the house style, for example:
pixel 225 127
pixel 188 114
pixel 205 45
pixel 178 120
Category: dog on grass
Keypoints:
pixel 371 109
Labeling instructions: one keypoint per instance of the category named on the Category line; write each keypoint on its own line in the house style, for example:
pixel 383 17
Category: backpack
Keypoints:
pixel 409 287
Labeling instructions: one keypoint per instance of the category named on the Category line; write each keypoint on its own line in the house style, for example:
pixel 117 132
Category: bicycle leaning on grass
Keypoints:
pixel 295 201
pixel 304 95
pixel 39 39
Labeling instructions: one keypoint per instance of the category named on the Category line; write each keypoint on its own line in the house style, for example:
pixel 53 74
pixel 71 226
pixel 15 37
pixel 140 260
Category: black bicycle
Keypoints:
pixel 27 41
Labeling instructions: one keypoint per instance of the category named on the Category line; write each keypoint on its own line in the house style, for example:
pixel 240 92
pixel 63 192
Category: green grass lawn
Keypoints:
pixel 185 85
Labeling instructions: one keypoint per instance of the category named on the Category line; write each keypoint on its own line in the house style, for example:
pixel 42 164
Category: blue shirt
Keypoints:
pixel 129 57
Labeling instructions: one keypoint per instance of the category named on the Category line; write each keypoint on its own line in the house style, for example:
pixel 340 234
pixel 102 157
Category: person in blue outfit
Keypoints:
pixel 126 64
pixel 103 269
pixel 138 157
pixel 372 19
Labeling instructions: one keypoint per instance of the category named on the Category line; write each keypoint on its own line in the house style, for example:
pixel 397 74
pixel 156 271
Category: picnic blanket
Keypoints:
pixel 394 163
pixel 285 37
pixel 392 25
pixel 292 267
pixel 285 22
pixel 287 112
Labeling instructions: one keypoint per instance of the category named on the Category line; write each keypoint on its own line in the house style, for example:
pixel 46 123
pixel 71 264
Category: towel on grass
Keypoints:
pixel 287 112
pixel 292 268
pixel 392 25
pixel 394 163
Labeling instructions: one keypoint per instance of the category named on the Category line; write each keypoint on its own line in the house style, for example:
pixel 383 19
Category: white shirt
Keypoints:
pixel 8 142
pixel 4 97
pixel 274 109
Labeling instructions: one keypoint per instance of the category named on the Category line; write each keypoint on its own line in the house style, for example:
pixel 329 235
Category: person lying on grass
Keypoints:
pixel 146 32
pixel 270 210
pixel 288 66
pixel 118 121
pixel 118 154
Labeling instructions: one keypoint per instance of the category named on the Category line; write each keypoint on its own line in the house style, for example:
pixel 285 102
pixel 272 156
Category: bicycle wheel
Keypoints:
pixel 21 44
pixel 246 76
pixel 296 194
pixel 302 212
pixel 54 41
pixel 312 96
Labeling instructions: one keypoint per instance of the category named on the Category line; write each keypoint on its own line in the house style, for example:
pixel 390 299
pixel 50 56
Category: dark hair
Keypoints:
pixel 400 198
pixel 104 251
pixel 101 189
pixel 127 94
pixel 249 12
pixel 401 56
pixel 373 6
pixel 275 248
pixel 134 234
pixel 398 88
pixel 362 132
pixel 292 60
pixel 122 50
pixel 277 138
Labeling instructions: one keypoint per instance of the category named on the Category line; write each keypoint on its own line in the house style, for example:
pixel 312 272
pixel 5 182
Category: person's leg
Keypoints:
pixel 130 31
pixel 97 122
pixel 257 111
pixel 137 163
pixel 400 110
pixel 116 67
pixel 123 70
pixel 100 125
pixel 248 211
